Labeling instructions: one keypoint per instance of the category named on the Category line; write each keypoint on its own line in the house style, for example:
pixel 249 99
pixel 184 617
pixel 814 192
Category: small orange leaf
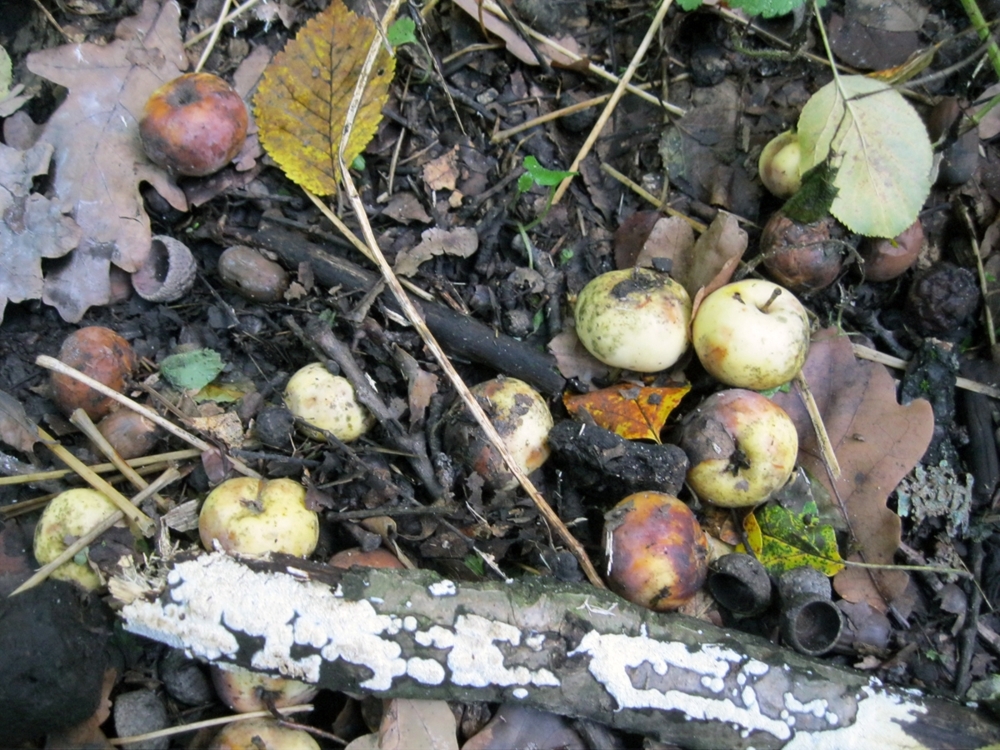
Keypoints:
pixel 301 103
pixel 631 411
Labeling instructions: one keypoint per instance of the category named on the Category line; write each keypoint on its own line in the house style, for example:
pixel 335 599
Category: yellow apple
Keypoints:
pixel 751 334
pixel 636 319
pixel 258 734
pixel 250 516
pixel 779 165
pixel 69 515
pixel 244 690
pixel 742 447
pixel 327 401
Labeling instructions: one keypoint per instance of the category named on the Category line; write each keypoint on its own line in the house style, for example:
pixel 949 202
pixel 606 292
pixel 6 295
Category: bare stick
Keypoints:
pixel 643 193
pixel 211 29
pixel 51 363
pixel 615 97
pixel 873 355
pixel 170 475
pixel 141 520
pixel 82 420
pixel 216 30
pixel 42 476
pixel 414 316
pixel 832 464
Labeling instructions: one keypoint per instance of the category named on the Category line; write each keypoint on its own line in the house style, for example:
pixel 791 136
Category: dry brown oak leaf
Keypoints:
pixel 32 227
pixel 99 162
pixel 877 442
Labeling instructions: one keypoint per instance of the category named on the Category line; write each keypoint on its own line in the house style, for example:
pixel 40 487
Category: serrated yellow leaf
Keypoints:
pixel 301 103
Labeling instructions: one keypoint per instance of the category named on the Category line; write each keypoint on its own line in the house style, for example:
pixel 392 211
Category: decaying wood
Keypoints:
pixel 461 336
pixel 569 649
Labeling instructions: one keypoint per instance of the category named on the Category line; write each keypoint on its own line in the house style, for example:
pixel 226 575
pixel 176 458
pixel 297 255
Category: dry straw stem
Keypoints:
pixel 645 194
pixel 873 355
pixel 615 97
pixel 218 24
pixel 415 318
pixel 51 363
pixel 195 726
pixel 822 436
pixel 170 475
pixel 216 30
pixel 135 463
pixel 82 420
pixel 143 522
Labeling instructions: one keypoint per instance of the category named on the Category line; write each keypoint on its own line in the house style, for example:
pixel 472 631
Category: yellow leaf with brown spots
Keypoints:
pixel 302 102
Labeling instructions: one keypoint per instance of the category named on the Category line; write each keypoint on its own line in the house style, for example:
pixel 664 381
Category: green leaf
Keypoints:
pixel 813 200
pixel 783 540
pixel 402 32
pixel 883 152
pixel 536 174
pixel 192 371
pixel 689 4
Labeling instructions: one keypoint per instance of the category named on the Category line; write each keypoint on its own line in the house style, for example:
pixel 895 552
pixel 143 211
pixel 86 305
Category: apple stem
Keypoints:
pixel 773 297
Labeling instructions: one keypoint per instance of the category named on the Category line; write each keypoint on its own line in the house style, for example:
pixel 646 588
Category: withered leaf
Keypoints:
pixel 31 226
pixel 631 411
pixel 409 723
pixel 301 105
pixel 460 242
pixel 877 442
pixel 99 162
pixel 783 540
pixel 15 428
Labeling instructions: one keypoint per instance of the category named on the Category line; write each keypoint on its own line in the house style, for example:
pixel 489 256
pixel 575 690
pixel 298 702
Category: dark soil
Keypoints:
pixel 497 310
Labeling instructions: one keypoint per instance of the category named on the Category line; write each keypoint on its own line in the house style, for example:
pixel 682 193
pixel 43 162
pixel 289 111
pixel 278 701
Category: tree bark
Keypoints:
pixel 569 649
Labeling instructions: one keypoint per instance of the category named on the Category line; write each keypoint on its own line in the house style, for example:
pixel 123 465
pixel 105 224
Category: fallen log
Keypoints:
pixel 569 649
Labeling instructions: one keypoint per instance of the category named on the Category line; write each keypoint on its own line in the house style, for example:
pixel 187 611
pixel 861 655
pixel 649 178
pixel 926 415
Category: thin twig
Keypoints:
pixel 43 476
pixel 980 271
pixel 194 726
pixel 143 522
pixel 822 436
pixel 52 20
pixel 167 477
pixel 211 29
pixel 51 363
pixel 873 355
pixel 414 316
pixel 216 30
pixel 643 193
pixel 619 91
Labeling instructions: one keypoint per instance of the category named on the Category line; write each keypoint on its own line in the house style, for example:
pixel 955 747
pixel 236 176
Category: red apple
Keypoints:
pixel 194 125
pixel 103 355
pixel 656 550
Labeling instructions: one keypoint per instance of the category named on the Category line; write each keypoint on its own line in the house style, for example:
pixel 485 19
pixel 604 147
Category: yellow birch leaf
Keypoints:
pixel 301 103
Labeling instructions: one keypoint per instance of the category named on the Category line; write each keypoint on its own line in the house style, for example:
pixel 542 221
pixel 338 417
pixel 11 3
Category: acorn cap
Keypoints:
pixel 168 272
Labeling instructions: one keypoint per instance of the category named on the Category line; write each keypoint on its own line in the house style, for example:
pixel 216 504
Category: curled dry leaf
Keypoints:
pixel 99 161
pixel 631 411
pixel 301 105
pixel 460 242
pixel 877 442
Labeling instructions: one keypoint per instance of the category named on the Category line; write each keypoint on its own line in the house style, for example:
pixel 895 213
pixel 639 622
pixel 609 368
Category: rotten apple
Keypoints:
pixel 244 690
pixel 635 318
pixel 657 553
pixel 249 516
pixel 103 355
pixel 326 401
pixel 742 447
pixel 751 334
pixel 193 125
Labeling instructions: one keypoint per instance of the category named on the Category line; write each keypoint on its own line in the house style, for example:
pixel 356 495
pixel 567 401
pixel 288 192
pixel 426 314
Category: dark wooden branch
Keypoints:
pixel 461 336
pixel 570 649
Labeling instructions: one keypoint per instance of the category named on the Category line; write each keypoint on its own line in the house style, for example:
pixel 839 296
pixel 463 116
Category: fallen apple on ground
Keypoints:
pixel 103 355
pixel 636 319
pixel 779 164
pixel 751 334
pixel 656 551
pixel 250 516
pixel 742 447
pixel 69 515
pixel 521 417
pixel 326 401
pixel 261 734
pixel 244 690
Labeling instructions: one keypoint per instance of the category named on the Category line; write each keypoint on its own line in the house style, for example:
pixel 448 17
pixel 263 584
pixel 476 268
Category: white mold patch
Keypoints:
pixel 442 588
pixel 817 707
pixel 879 721
pixel 409 623
pixel 475 660
pixel 519 693
pixel 612 655
pixel 425 671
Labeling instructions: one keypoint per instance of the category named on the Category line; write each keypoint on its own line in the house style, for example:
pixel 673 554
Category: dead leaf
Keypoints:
pixel 783 540
pixel 408 723
pixel 31 226
pixel 671 237
pixel 519 726
pixel 404 208
pixel 877 442
pixel 15 428
pixel 460 242
pixel 573 359
pixel 99 162
pixel 226 428
pixel 630 411
pixel 301 105
pixel 442 172
pixel 422 386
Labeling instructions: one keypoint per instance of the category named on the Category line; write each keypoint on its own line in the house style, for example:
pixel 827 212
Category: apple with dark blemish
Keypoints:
pixel 657 552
